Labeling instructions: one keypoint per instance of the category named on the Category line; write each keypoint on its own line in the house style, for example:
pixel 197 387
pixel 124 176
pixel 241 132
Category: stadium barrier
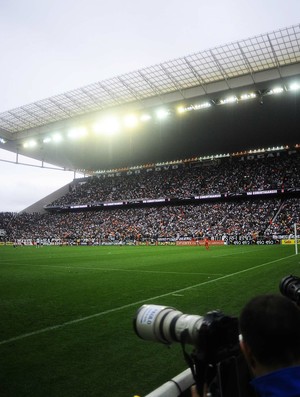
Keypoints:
pixel 200 242
pixel 289 242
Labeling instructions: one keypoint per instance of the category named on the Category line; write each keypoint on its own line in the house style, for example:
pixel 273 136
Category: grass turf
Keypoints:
pixel 66 312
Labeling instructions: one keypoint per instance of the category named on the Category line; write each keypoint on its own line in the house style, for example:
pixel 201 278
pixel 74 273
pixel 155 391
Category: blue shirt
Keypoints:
pixel 282 383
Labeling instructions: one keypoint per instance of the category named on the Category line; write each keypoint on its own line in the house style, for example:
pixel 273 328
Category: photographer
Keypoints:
pixel 270 342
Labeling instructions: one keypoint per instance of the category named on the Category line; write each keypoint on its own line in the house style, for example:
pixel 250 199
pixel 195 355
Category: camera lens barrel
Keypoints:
pixel 165 324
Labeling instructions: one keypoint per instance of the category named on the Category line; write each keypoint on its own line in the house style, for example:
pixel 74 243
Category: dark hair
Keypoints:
pixel 270 325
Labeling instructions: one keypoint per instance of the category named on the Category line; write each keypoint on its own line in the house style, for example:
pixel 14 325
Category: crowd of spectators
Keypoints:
pixel 283 223
pixel 228 176
pixel 248 218
pixel 218 220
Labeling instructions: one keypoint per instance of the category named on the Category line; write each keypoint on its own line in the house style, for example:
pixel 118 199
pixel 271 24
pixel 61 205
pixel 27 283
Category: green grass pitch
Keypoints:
pixel 66 312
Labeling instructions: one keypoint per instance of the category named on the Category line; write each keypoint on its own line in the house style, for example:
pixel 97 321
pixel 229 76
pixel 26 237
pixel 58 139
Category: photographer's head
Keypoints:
pixel 270 329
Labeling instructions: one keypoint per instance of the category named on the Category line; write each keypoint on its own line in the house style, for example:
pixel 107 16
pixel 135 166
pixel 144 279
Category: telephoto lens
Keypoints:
pixel 165 324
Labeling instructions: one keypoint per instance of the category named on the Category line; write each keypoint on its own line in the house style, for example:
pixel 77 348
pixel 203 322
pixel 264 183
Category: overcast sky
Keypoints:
pixel 52 46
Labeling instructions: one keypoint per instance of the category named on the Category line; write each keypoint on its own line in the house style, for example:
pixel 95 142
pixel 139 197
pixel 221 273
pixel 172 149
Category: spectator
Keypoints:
pixel 270 329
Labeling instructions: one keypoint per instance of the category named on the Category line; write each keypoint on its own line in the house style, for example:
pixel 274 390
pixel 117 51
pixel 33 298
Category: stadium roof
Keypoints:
pixel 251 64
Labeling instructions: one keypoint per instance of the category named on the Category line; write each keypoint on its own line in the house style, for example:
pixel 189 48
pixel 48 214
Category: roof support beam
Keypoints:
pixel 196 74
pixel 152 85
pixel 92 98
pixel 221 69
pixel 173 80
pixel 275 56
pixel 59 105
pixel 247 62
pixel 110 93
pixel 133 92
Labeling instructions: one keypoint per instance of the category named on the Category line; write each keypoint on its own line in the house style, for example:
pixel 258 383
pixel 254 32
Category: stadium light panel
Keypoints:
pixel 30 144
pixel 110 126
pixel 198 106
pixel 107 126
pixel 97 128
pixel 230 99
pixel 77 133
pixel 245 97
pixel 162 114
pixel 57 137
pixel 130 121
pixel 204 105
pixel 276 90
pixel 145 117
pixel 294 87
pixel 47 139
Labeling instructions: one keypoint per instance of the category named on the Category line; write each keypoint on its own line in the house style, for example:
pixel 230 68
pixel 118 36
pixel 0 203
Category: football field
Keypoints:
pixel 66 313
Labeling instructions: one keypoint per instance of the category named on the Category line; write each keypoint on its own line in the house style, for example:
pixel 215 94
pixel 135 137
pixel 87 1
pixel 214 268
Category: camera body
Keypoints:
pixel 289 286
pixel 215 333
pixel 216 360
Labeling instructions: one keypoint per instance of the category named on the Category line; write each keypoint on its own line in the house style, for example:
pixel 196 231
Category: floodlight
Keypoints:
pixel 230 99
pixel 96 128
pixel 162 114
pixel 110 126
pixel 78 132
pixel 197 106
pixel 294 87
pixel 30 144
pixel 250 95
pixel 276 90
pixel 145 117
pixel 130 121
pixel 205 105
pixel 3 141
pixel 57 137
pixel 181 109
pixel 47 139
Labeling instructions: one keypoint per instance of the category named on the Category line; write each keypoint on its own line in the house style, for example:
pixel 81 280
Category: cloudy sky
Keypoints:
pixel 51 46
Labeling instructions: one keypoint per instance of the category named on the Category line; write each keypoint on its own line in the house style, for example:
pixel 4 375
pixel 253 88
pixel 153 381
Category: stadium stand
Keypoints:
pixel 237 200
pixel 224 176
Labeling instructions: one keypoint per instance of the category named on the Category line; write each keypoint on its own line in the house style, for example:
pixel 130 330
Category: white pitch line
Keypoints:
pixel 237 253
pixel 79 320
pixel 119 270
